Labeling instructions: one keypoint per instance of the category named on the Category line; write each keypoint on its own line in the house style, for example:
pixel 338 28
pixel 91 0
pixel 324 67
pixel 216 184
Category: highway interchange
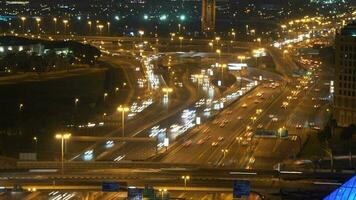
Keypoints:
pixel 224 141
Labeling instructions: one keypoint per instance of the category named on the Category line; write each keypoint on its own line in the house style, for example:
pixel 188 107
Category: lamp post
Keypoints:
pixel 253 118
pixel 55 25
pixel 89 23
pixel 285 52
pixel 211 46
pixel 21 107
pixel 180 42
pixel 185 178
pixel 123 109
pixel 162 191
pixel 23 23
pixel 105 95
pixel 167 90
pixel 65 22
pixel 100 27
pixel 35 139
pixel 234 35
pixel 63 137
pixel 222 66
pixel 141 33
pixel 218 51
pixel 108 24
pixel 76 101
pixel 224 151
pixel 38 21
pixel 217 40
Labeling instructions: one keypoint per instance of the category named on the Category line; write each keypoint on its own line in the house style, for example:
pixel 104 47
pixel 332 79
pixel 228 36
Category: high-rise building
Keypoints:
pixel 208 15
pixel 345 76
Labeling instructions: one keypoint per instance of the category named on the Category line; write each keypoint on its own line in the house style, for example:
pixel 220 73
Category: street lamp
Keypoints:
pixel 123 110
pixel 218 51
pixel 89 23
pixel 185 178
pixel 217 40
pixel 234 35
pixel 211 45
pixel 141 33
pixel 35 139
pixel 224 151
pixel 253 118
pixel 76 101
pixel 55 25
pixel 38 21
pixel 21 107
pixel 100 27
pixel 105 95
pixel 63 137
pixel 23 23
pixel 162 191
pixel 259 40
pixel 241 58
pixel 180 42
pixel 167 90
pixel 108 24
pixel 222 66
pixel 65 22
pixel 285 52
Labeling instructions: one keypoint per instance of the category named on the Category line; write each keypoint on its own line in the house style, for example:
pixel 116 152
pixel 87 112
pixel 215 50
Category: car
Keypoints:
pixel 316 106
pixel 239 118
pixel 229 112
pixel 244 105
pixel 316 128
pixel 274 119
pixel 260 126
pixel 271 116
pixel 206 130
pixel 314 99
pixel 222 125
pixel 214 144
pixel 221 138
pixel 187 143
pixel 259 94
pixel 239 138
pixel 201 141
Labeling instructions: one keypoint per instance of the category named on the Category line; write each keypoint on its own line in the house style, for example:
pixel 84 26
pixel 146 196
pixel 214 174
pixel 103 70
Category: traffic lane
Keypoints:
pixel 195 147
pixel 172 114
pixel 185 154
pixel 238 129
pixel 239 153
pixel 303 109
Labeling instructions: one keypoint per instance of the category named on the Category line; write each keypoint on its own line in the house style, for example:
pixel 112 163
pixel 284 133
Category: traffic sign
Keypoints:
pixel 148 193
pixel 110 187
pixel 241 188
pixel 134 194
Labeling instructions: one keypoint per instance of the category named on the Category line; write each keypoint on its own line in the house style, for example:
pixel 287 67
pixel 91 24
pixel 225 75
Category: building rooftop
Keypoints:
pixel 349 30
pixel 347 191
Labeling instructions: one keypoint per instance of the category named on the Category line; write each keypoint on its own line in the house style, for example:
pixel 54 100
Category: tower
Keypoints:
pixel 208 15
pixel 345 76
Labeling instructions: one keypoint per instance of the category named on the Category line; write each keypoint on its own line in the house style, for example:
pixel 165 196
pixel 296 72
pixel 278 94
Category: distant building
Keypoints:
pixel 345 76
pixel 10 44
pixel 208 15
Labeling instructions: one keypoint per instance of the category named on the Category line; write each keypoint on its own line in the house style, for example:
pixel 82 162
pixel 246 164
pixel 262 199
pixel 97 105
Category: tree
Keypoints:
pixel 346 135
pixel 324 137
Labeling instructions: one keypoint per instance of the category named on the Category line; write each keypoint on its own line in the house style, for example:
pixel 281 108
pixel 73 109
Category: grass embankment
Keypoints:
pixel 48 106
